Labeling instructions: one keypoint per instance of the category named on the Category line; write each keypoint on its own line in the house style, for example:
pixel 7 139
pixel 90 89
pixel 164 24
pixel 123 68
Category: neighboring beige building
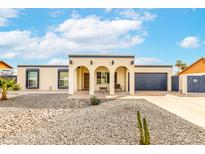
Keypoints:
pixel 96 73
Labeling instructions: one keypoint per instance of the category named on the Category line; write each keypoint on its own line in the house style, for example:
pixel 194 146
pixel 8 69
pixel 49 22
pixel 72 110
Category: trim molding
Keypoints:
pixel 43 66
pixel 153 66
pixel 101 56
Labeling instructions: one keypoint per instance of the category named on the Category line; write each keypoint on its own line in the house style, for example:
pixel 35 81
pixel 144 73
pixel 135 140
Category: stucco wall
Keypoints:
pixel 48 77
pixel 96 62
pixel 183 81
pixel 183 84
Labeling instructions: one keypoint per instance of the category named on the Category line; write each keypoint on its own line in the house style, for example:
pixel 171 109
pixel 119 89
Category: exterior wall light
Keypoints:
pixel 71 62
pixel 112 62
pixel 132 62
pixel 91 62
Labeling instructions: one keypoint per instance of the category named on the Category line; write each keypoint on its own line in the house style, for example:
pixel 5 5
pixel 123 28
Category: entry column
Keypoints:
pixel 91 82
pixel 132 82
pixel 71 81
pixel 112 81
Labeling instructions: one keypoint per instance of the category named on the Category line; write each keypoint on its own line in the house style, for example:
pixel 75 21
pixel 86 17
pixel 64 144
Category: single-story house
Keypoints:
pixel 192 79
pixel 7 71
pixel 96 73
pixel 4 65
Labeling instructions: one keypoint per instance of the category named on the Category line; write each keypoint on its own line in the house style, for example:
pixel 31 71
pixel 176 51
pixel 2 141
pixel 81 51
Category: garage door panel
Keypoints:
pixel 150 81
pixel 196 84
pixel 175 83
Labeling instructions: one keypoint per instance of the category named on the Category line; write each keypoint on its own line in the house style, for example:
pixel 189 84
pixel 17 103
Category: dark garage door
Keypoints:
pixel 196 84
pixel 151 81
pixel 175 83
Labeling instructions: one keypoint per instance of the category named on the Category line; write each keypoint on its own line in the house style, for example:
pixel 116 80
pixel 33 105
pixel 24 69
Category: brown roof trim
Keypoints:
pixel 1 61
pixel 153 66
pixel 99 56
pixel 203 58
pixel 43 66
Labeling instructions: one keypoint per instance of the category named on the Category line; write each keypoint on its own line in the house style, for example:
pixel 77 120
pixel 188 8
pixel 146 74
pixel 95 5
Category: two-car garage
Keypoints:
pixel 153 77
pixel 150 81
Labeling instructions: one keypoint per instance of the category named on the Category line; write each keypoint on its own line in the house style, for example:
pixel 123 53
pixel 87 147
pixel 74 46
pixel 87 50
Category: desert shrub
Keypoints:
pixel 7 85
pixel 17 87
pixel 94 100
pixel 144 130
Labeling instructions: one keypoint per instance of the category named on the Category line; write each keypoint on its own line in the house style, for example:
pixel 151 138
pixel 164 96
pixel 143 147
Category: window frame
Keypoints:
pixel 59 71
pixel 38 75
pixel 102 76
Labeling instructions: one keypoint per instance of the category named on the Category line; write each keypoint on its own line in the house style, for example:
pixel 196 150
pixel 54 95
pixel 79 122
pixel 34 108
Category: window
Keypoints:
pixel 103 77
pixel 62 79
pixel 32 78
pixel 115 77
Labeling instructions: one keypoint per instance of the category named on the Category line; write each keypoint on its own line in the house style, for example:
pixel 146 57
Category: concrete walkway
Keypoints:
pixel 189 108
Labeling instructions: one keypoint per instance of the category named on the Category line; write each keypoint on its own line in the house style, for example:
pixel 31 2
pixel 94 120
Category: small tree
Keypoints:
pixel 180 65
pixel 7 85
pixel 144 130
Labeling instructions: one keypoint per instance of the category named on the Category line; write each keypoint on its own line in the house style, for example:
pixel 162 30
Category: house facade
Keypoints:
pixel 7 71
pixel 96 73
pixel 192 79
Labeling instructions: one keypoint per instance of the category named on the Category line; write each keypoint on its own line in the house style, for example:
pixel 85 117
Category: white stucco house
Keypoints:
pixel 94 73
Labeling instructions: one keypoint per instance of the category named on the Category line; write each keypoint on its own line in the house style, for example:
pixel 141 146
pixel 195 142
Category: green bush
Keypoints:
pixel 144 131
pixel 94 100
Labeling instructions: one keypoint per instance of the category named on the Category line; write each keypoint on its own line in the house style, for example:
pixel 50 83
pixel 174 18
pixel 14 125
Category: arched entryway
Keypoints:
pixel 82 81
pixel 121 79
pixel 102 79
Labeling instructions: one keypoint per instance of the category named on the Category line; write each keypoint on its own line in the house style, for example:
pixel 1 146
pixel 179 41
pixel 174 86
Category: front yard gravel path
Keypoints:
pixel 57 119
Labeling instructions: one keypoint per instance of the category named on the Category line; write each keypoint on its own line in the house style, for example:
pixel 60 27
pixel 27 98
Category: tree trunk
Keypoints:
pixel 3 96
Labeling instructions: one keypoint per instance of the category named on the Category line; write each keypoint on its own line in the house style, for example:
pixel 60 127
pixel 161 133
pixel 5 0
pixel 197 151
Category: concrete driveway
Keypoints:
pixel 189 108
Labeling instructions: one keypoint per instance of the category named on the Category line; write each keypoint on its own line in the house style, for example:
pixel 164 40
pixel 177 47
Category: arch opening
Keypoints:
pixel 82 81
pixel 121 79
pixel 102 79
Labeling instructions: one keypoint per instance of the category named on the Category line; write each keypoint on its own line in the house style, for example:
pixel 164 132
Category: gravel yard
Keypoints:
pixel 57 119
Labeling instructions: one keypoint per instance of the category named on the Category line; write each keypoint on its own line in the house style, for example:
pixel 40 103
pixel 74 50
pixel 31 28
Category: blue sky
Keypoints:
pixel 154 36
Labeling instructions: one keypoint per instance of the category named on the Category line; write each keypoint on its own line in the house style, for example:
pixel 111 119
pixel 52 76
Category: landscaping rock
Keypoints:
pixel 58 119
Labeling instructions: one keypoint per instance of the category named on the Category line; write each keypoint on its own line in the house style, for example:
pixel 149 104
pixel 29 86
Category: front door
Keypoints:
pixel 86 80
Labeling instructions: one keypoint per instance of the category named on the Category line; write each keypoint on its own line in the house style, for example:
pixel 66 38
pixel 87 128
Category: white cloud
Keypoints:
pixel 75 15
pixel 73 35
pixel 147 60
pixel 58 61
pixel 108 10
pixel 148 16
pixel 129 13
pixel 190 42
pixel 6 14
pixel 54 13
pixel 8 55
pixel 88 34
pixel 142 16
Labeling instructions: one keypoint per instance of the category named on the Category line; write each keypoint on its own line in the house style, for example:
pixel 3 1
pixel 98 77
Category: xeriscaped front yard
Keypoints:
pixel 57 119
